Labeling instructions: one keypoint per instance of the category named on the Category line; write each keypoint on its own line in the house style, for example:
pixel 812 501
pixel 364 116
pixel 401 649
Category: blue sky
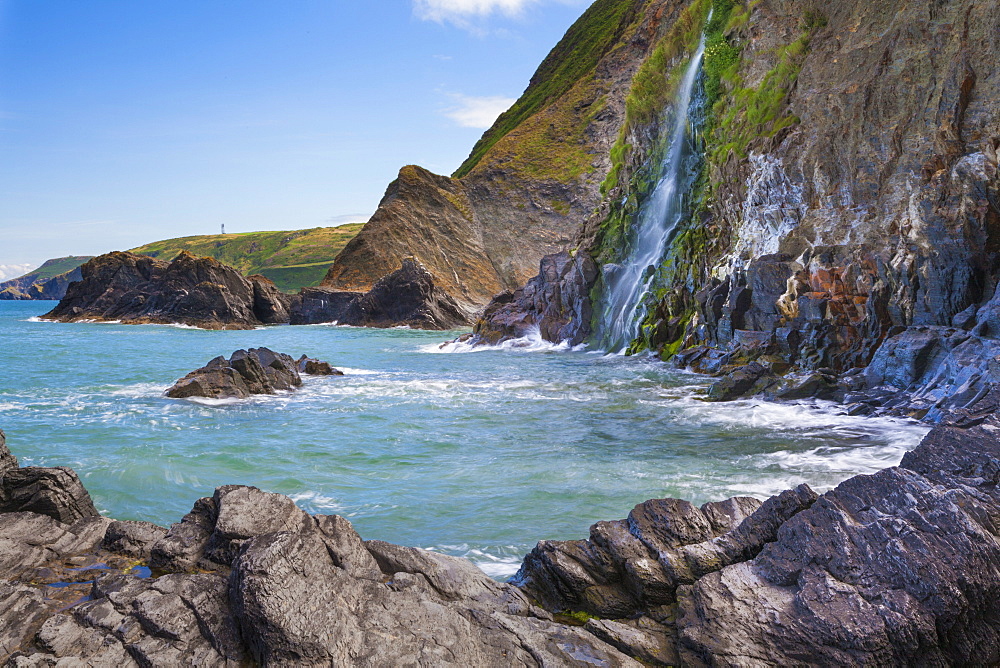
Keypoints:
pixel 123 122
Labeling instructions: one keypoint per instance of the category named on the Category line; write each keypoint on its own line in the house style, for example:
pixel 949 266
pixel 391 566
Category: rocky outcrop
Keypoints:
pixel 247 577
pixel 408 297
pixel 199 292
pixel 248 372
pixel 555 303
pixel 895 568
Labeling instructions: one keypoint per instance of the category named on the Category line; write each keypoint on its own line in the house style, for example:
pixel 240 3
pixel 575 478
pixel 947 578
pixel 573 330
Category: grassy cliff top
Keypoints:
pixel 54 267
pixel 292 259
pixel 573 58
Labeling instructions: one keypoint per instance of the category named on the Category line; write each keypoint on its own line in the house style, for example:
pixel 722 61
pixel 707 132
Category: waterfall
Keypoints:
pixel 627 284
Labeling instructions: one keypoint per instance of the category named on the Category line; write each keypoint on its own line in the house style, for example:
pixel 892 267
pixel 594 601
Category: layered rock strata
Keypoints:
pixel 199 292
pixel 407 297
pixel 248 372
pixel 895 568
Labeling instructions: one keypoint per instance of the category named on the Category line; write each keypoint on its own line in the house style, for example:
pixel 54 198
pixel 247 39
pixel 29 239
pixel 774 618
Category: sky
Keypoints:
pixel 125 122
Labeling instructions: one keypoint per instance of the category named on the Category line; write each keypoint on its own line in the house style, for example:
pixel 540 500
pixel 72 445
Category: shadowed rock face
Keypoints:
pixel 200 292
pixel 408 296
pixel 555 303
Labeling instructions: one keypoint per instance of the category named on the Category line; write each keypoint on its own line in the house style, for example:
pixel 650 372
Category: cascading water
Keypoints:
pixel 627 284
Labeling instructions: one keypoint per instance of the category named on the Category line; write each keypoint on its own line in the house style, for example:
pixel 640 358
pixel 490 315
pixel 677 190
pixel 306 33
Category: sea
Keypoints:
pixel 474 452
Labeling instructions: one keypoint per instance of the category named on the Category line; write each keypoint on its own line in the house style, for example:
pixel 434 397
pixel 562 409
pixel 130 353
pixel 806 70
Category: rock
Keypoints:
pixel 555 303
pixel 7 460
pixel 874 572
pixel 315 367
pixel 134 539
pixel 199 292
pixel 749 379
pixel 406 297
pixel 54 492
pixel 245 373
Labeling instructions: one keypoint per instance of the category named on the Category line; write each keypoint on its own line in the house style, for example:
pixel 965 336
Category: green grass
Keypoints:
pixel 292 259
pixel 573 58
pixel 59 265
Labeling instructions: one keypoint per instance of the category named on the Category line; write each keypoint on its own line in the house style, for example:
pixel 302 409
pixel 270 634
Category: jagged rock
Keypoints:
pixel 7 460
pixel 55 492
pixel 315 367
pixel 134 539
pixel 200 292
pixel 896 568
pixel 748 379
pixel 407 297
pixel 246 372
pixel 556 303
pixel 631 567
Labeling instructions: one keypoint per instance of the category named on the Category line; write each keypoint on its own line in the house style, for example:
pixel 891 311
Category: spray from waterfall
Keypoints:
pixel 628 283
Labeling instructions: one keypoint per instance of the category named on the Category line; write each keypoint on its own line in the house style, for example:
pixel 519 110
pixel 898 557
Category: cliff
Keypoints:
pixel 531 179
pixel 47 282
pixel 845 217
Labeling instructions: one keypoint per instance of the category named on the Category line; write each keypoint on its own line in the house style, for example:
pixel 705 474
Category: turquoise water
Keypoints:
pixel 476 454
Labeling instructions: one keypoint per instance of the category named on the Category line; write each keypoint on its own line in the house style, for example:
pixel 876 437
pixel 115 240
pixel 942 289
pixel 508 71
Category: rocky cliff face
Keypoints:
pixel 530 181
pixel 849 206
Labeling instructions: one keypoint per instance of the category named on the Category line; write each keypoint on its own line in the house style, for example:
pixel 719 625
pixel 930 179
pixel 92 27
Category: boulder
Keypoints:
pixel 315 367
pixel 245 373
pixel 406 297
pixel 195 291
pixel 54 492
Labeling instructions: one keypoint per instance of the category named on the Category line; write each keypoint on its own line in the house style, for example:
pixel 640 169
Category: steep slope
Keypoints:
pixel 47 282
pixel 291 259
pixel 848 210
pixel 529 182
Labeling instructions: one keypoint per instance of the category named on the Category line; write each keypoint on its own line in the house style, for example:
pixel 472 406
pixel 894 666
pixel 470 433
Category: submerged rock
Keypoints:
pixel 195 291
pixel 406 297
pixel 245 373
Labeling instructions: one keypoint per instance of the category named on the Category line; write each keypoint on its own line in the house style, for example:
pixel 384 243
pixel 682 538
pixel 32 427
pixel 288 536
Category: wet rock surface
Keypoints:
pixel 554 304
pixel 194 291
pixel 896 568
pixel 248 372
pixel 406 297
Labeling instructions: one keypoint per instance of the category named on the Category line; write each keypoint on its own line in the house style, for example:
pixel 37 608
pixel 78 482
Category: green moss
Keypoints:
pixel 574 618
pixel 573 58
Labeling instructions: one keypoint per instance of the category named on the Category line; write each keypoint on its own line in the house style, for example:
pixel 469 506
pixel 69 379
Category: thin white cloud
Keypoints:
pixel 460 11
pixel 478 112
pixel 9 271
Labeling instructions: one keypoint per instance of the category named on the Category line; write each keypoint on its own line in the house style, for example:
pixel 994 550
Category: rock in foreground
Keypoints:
pixel 248 372
pixel 406 297
pixel 897 568
pixel 195 291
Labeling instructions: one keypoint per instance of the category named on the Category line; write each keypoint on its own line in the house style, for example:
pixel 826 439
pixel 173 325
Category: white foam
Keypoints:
pixel 498 567
pixel 532 342
pixel 315 501
pixel 208 401
pixel 141 390
pixel 348 371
